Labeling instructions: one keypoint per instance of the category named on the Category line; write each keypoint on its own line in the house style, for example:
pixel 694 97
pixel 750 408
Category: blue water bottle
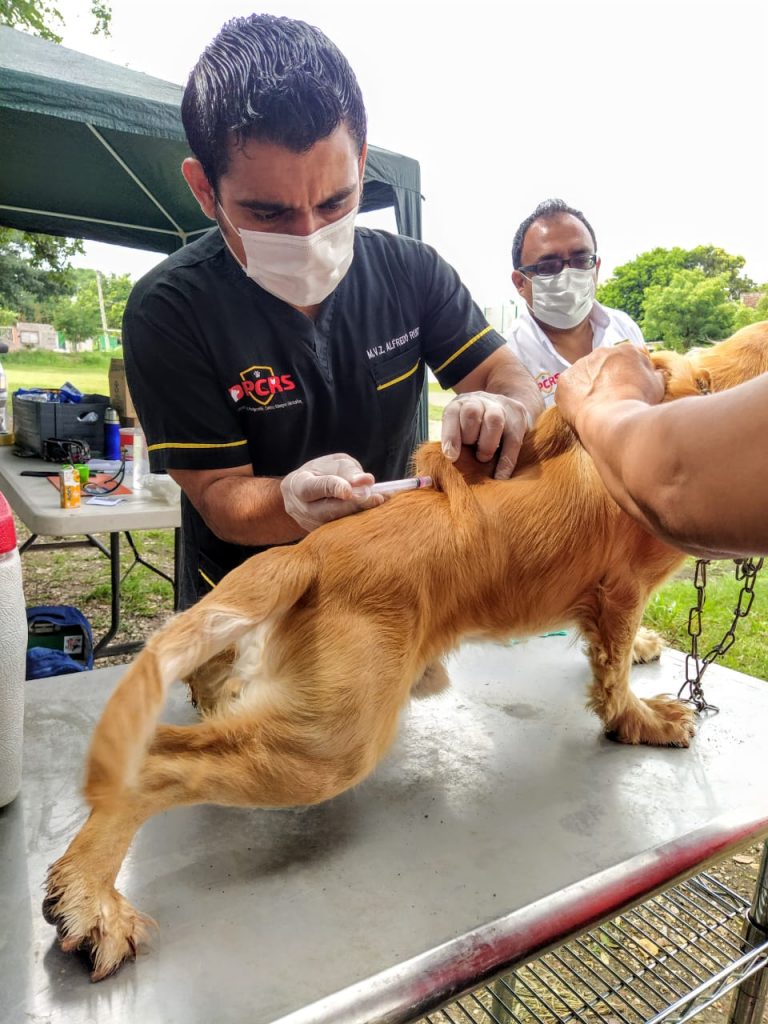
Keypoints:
pixel 111 435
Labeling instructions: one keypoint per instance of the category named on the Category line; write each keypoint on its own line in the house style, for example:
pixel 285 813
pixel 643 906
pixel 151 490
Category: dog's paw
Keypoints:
pixel 659 722
pixel 94 919
pixel 647 646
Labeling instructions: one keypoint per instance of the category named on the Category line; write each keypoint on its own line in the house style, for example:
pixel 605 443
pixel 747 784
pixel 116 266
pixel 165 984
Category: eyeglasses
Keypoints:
pixel 550 267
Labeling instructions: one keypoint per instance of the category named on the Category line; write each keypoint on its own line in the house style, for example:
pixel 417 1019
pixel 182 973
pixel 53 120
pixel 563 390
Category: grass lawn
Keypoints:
pixel 668 609
pixel 87 370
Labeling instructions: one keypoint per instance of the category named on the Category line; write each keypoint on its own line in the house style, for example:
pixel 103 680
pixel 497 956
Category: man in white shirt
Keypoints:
pixel 554 255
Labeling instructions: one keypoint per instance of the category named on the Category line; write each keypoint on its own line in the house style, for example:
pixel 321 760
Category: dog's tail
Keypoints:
pixel 273 582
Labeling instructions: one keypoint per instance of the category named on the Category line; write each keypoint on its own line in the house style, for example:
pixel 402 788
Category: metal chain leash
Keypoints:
pixel 695 667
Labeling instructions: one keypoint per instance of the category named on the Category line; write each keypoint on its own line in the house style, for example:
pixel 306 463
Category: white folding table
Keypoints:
pixel 36 502
pixel 501 824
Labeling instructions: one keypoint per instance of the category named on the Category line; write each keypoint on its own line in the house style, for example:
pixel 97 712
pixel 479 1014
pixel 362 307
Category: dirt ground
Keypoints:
pixel 85 565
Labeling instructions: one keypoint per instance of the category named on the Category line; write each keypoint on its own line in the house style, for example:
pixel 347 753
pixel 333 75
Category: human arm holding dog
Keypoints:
pixel 494 407
pixel 243 508
pixel 260 511
pixel 694 471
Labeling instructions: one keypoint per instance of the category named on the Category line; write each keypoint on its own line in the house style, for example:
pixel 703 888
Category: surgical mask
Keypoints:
pixel 299 269
pixel 565 299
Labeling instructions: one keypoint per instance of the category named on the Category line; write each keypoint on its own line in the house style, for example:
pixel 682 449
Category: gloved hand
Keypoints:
pixel 491 422
pixel 321 490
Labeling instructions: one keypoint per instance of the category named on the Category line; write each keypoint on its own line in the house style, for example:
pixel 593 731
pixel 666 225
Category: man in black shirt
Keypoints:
pixel 277 362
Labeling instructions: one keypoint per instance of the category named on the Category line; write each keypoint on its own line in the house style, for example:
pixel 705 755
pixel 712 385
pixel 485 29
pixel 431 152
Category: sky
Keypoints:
pixel 647 116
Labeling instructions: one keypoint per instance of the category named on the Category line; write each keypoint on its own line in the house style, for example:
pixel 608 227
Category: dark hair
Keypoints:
pixel 549 208
pixel 268 78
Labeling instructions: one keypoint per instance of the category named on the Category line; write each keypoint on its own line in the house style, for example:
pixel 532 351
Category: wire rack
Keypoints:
pixel 665 960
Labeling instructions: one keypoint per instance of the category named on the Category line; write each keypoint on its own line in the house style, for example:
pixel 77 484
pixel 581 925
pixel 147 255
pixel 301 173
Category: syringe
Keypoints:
pixel 389 487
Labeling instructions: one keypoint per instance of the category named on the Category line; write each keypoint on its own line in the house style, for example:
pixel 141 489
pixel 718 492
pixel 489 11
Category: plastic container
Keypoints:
pixel 133 451
pixel 34 420
pixel 13 654
pixel 140 466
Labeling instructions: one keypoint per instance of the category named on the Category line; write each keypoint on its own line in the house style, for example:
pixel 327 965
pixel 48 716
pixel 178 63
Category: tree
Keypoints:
pixel 8 317
pixel 78 315
pixel 77 321
pixel 690 309
pixel 627 287
pixel 40 17
pixel 34 271
pixel 752 314
pixel 716 262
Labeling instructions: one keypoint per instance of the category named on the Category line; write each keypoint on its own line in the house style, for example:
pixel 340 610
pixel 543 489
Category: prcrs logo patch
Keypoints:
pixel 261 384
pixel 547 383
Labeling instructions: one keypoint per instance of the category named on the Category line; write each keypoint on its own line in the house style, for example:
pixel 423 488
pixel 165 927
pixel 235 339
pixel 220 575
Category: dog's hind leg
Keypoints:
pixel 188 641
pixel 609 622
pixel 211 685
pixel 647 646
pixel 269 761
pixel 433 680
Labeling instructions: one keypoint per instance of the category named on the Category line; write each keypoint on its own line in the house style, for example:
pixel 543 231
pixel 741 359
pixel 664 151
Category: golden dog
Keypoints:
pixel 302 658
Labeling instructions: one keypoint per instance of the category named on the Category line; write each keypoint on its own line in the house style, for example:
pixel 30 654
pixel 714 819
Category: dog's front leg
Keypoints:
pixel 610 625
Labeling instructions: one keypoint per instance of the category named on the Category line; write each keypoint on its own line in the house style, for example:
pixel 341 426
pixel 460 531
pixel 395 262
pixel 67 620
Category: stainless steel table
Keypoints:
pixel 502 822
pixel 36 503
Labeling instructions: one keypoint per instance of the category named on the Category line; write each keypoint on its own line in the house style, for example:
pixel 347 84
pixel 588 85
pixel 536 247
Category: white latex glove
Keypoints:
pixel 321 490
pixel 491 422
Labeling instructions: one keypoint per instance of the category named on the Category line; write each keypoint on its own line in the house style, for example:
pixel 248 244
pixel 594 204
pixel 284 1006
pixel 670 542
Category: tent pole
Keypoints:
pixel 115 156
pixel 82 219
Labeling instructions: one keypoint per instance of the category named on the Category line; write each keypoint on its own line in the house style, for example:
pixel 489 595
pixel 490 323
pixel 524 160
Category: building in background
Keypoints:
pixel 28 335
pixel 501 317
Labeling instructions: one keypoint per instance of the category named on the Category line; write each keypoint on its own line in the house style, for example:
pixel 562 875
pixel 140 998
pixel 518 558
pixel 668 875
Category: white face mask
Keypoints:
pixel 300 269
pixel 565 299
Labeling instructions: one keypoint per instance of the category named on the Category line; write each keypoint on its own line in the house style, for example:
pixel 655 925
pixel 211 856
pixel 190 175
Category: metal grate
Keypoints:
pixel 665 960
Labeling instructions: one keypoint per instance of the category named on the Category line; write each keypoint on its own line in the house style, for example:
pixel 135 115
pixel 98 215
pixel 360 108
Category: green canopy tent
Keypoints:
pixel 93 150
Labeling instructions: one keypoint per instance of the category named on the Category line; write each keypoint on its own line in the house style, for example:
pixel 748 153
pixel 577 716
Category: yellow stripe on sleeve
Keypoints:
pixel 182 444
pixel 463 348
pixel 207 579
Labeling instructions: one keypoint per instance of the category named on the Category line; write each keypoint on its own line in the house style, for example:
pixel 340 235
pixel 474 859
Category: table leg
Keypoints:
pixel 114 571
pixel 27 543
pixel 750 998
pixel 138 559
pixel 176 567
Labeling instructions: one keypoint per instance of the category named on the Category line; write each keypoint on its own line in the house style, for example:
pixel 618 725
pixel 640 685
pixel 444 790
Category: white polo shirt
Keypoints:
pixel 542 360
